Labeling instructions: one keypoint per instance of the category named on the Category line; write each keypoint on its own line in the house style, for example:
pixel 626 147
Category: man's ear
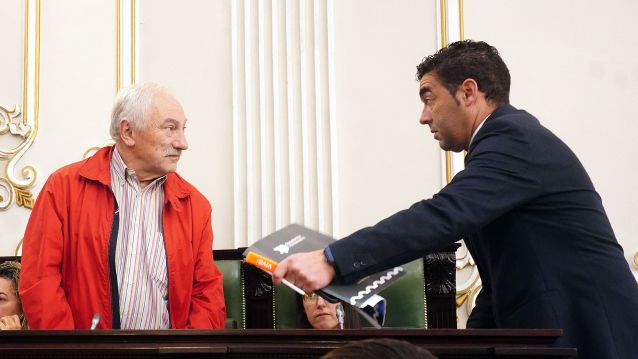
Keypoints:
pixel 126 132
pixel 469 92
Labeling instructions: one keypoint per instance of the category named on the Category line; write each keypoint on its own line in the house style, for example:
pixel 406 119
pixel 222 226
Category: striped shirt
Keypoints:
pixel 140 255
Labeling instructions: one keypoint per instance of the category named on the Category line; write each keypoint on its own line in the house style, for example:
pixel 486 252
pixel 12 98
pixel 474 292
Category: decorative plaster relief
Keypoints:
pixel 468 289
pixel 21 124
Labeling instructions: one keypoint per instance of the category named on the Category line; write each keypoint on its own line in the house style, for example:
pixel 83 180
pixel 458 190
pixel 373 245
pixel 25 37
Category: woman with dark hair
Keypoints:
pixel 322 314
pixel 11 316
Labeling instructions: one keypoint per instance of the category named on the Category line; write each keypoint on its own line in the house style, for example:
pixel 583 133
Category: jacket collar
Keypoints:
pixel 98 168
pixel 501 111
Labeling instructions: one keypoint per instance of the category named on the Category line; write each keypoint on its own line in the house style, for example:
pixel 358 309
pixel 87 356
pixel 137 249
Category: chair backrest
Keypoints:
pixel 287 313
pixel 233 293
pixel 406 302
pixel 406 298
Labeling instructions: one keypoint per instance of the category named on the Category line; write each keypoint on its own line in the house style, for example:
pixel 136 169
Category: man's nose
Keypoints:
pixel 426 116
pixel 180 142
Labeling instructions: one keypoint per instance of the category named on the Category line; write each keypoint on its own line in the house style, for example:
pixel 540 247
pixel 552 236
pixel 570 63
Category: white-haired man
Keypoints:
pixel 121 235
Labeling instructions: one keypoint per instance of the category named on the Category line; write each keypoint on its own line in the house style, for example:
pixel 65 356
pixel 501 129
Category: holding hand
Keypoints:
pixel 309 271
pixel 10 322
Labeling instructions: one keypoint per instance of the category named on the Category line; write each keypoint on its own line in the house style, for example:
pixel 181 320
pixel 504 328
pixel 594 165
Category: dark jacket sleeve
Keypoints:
pixel 499 175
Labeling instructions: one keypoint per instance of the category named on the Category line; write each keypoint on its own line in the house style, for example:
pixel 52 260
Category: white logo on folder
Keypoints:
pixel 282 249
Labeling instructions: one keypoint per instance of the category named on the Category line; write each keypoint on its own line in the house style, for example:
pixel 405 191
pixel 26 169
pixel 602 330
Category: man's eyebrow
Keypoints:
pixel 424 90
pixel 172 120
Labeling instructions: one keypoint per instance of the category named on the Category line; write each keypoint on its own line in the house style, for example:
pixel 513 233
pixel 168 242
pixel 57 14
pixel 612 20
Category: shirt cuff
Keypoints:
pixel 329 257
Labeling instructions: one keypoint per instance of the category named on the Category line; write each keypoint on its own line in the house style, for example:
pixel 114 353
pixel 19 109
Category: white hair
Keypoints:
pixel 132 103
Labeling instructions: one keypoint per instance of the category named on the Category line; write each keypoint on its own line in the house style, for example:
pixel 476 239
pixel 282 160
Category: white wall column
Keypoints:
pixel 281 117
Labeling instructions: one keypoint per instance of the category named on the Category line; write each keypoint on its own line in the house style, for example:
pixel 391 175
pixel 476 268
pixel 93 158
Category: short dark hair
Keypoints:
pixel 379 348
pixel 470 59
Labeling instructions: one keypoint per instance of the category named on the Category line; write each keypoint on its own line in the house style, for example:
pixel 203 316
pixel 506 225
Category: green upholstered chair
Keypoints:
pixel 233 293
pixel 406 302
pixel 286 311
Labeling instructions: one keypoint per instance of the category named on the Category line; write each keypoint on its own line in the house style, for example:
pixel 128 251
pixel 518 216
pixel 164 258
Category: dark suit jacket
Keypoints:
pixel 537 229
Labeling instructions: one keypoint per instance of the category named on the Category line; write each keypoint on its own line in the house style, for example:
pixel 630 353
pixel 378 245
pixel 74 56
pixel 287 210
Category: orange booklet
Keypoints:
pixel 261 262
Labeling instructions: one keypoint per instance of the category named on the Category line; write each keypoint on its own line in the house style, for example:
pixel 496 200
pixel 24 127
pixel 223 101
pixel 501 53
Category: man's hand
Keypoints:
pixel 309 271
pixel 10 322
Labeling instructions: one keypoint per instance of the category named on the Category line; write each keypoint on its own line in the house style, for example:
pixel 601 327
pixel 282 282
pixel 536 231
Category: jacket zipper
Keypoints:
pixel 115 294
pixel 168 273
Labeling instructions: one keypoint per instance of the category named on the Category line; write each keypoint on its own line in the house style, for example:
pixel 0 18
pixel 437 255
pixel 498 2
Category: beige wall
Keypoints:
pixel 12 222
pixel 574 66
pixel 386 159
pixel 361 77
pixel 186 46
pixel 76 90
pixel 11 30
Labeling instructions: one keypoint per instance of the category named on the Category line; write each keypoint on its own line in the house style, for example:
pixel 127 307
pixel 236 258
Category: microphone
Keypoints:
pixel 340 315
pixel 373 310
pixel 95 321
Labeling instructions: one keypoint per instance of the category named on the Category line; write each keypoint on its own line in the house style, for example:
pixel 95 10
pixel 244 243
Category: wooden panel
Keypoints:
pixel 308 343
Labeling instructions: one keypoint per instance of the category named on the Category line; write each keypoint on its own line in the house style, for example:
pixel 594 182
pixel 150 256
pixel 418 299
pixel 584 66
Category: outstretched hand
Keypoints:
pixel 309 271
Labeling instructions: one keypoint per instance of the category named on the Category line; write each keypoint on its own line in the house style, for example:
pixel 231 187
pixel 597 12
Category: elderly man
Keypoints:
pixel 529 213
pixel 121 235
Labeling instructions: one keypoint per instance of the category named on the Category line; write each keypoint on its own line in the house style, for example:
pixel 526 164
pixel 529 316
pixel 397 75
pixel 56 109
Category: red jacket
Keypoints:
pixel 66 277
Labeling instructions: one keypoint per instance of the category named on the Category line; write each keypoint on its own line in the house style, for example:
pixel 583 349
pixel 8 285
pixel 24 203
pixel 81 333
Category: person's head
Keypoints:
pixel 9 281
pixel 147 124
pixel 320 313
pixel 379 348
pixel 460 85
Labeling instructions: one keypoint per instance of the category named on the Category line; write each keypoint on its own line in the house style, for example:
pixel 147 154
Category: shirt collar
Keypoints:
pixel 478 128
pixel 124 173
pixel 117 165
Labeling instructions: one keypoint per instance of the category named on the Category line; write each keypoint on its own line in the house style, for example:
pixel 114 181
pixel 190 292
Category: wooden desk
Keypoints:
pixel 268 343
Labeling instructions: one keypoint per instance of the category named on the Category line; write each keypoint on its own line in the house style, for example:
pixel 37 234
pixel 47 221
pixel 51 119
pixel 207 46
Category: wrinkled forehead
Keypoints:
pixel 165 106
pixel 428 83
pixel 430 78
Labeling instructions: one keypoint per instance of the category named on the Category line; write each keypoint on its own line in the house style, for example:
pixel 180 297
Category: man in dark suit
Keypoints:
pixel 531 218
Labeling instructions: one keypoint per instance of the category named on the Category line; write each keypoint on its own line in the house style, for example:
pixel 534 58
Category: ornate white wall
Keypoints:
pixel 278 95
pixel 307 111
